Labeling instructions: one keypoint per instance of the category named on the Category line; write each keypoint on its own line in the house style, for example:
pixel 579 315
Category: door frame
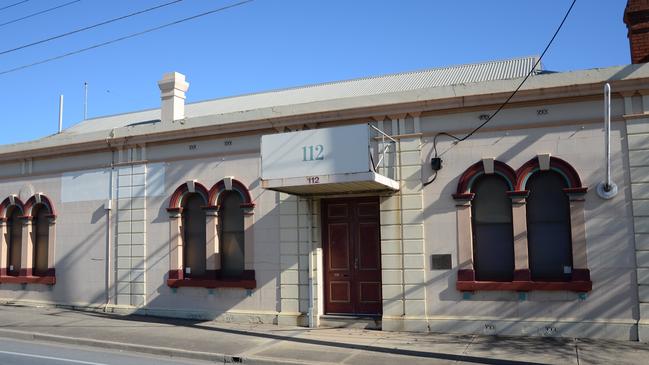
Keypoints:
pixel 324 292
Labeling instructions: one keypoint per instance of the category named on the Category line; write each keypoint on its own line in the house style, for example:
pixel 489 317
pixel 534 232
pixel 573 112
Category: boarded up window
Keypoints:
pixel 14 233
pixel 231 236
pixel 194 249
pixel 41 229
pixel 493 240
pixel 548 227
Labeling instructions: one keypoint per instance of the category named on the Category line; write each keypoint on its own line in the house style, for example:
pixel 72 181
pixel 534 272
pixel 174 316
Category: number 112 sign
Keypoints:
pixel 315 152
pixel 309 155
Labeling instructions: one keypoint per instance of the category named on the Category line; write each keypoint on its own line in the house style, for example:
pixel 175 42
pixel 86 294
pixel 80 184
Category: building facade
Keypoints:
pixel 191 211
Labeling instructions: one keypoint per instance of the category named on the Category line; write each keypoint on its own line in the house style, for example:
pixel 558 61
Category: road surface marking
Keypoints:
pixel 51 358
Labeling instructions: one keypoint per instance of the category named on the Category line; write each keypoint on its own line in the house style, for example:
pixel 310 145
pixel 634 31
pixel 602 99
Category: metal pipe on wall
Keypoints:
pixel 607 189
pixel 108 205
pixel 60 113
pixel 311 311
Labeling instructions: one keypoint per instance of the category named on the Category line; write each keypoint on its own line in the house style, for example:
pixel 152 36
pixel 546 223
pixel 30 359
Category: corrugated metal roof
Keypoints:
pixel 406 81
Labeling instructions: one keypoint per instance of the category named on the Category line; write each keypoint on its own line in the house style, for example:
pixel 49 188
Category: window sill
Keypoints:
pixel 580 282
pixel 211 283
pixel 47 280
pixel 575 286
pixel 212 280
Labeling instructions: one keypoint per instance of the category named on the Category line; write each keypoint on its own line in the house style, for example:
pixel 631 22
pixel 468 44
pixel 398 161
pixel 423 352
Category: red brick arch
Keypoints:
pixel 476 170
pixel 563 168
pixel 216 194
pixel 4 206
pixel 33 201
pixel 176 200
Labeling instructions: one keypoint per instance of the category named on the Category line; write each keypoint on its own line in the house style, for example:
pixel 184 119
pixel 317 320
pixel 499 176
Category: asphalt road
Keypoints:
pixel 14 352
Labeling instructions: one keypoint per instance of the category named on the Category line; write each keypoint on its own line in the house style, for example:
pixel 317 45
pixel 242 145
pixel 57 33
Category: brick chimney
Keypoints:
pixel 636 18
pixel 172 92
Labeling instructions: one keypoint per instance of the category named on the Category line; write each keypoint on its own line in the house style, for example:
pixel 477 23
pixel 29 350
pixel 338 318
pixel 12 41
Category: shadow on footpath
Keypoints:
pixel 496 340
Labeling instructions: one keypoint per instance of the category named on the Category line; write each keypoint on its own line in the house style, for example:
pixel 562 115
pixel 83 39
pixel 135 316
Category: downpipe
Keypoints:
pixel 607 189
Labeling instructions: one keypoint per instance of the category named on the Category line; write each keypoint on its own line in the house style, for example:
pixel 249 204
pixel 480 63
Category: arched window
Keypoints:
pixel 210 242
pixel 41 231
pixel 14 240
pixel 231 235
pixel 493 241
pixel 194 244
pixel 548 227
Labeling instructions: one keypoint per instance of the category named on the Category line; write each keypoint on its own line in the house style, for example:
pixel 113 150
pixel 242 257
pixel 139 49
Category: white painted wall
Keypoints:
pixel 609 225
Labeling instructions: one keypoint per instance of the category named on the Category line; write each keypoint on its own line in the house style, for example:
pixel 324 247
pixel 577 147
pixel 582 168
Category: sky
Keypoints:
pixel 270 44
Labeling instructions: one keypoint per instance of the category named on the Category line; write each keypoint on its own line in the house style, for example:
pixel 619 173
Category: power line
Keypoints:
pixel 88 27
pixel 38 13
pixel 14 4
pixel 460 139
pixel 125 37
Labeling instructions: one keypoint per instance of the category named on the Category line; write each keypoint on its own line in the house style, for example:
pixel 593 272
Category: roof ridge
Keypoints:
pixel 402 73
pixel 378 78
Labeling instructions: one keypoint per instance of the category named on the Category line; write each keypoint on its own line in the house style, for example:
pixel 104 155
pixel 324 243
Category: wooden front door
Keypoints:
pixel 352 256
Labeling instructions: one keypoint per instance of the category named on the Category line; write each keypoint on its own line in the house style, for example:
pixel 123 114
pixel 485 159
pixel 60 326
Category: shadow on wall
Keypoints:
pixel 612 266
pixel 211 303
pixel 80 272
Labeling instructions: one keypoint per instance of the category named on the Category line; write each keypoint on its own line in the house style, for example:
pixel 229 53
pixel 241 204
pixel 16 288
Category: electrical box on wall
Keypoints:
pixel 441 262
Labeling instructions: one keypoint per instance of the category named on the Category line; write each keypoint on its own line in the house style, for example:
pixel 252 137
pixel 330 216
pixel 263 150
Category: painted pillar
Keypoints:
pixel 4 248
pixel 212 248
pixel 27 247
pixel 131 232
pixel 637 130
pixel 519 223
pixel 289 257
pixel 402 234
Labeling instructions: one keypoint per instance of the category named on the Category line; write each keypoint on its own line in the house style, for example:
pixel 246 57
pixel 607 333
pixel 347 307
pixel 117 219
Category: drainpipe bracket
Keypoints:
pixel 604 193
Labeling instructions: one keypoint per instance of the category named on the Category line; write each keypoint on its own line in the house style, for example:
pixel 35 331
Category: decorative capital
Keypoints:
pixel 576 194
pixel 175 212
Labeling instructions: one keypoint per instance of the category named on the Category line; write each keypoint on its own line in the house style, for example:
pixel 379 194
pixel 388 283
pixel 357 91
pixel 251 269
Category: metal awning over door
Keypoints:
pixel 349 159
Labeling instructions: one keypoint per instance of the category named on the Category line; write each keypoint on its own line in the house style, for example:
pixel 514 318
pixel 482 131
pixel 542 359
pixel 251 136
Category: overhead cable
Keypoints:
pixel 133 35
pixel 39 13
pixel 87 28
pixel 532 70
pixel 12 5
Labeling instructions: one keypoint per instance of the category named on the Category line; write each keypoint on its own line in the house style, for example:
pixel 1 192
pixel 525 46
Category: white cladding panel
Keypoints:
pixel 327 151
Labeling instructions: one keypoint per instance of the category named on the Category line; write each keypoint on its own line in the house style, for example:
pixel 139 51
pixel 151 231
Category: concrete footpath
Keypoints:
pixel 269 344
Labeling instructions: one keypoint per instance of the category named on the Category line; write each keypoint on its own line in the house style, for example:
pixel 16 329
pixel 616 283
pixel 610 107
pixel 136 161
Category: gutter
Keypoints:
pixel 437 98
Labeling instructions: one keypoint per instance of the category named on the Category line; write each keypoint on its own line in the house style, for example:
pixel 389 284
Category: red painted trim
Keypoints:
pixel 466 196
pixel 576 191
pixel 466 275
pixel 580 275
pixel 212 283
pixel 215 196
pixel 31 203
pixel 175 210
pixel 477 169
pixel 30 279
pixel 575 286
pixel 25 272
pixel 212 279
pixel 174 201
pixel 176 275
pixel 574 181
pixel 518 193
pixel 7 203
pixel 522 275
